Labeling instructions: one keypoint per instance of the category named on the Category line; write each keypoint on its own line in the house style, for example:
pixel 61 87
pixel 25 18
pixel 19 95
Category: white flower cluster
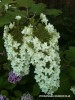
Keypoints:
pixel 19 60
pixel 47 76
pixel 73 89
pixel 44 56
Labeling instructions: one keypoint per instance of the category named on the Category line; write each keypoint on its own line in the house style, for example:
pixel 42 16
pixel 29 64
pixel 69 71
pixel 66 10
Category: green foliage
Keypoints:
pixel 24 81
pixel 54 12
pixel 6 1
pixel 4 20
pixel 7 66
pixel 38 8
pixel 14 98
pixel 15 13
pixel 71 53
pixel 4 92
pixel 29 6
pixel 5 84
pixel 17 93
pixel 2 83
pixel 64 85
pixel 10 86
pixel 3 2
pixel 71 72
pixel 1 44
pixel 25 3
pixel 36 90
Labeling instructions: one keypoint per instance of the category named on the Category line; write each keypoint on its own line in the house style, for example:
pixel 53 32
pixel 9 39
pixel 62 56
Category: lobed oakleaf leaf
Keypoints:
pixel 70 54
pixel 54 12
pixel 38 8
pixel 25 3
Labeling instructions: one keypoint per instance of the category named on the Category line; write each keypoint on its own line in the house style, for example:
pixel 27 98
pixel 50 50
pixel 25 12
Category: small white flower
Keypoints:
pixel 6 7
pixel 27 30
pixel 11 25
pixel 16 44
pixel 49 28
pixel 43 18
pixel 73 89
pixel 44 46
pixel 18 17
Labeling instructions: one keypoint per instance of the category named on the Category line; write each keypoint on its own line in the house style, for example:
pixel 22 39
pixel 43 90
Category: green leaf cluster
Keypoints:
pixel 71 53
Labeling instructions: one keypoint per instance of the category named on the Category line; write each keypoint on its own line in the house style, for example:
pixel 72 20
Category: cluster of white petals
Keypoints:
pixel 19 60
pixel 44 56
pixel 73 89
pixel 47 76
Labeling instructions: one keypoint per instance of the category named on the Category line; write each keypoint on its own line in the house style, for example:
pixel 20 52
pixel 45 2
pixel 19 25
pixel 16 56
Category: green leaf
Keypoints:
pixel 64 84
pixel 25 3
pixel 24 80
pixel 36 90
pixel 17 93
pixel 3 82
pixel 7 1
pixel 16 13
pixel 6 66
pixel 54 12
pixel 38 8
pixel 4 92
pixel 13 98
pixel 10 86
pixel 1 43
pixel 4 20
pixel 71 72
pixel 3 2
pixel 71 53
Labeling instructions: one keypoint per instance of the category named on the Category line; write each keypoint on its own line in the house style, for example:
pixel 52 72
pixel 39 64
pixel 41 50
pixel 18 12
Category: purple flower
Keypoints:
pixel 26 96
pixel 3 97
pixel 13 78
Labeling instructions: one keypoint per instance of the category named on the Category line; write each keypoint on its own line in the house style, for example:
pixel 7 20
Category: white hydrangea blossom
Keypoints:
pixel 19 60
pixel 73 89
pixel 43 56
pixel 48 78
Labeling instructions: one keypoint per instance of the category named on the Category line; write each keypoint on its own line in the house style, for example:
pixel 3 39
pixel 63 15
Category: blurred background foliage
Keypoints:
pixel 61 13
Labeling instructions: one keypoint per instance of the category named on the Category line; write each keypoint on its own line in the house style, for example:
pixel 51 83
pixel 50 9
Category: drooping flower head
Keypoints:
pixel 36 45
